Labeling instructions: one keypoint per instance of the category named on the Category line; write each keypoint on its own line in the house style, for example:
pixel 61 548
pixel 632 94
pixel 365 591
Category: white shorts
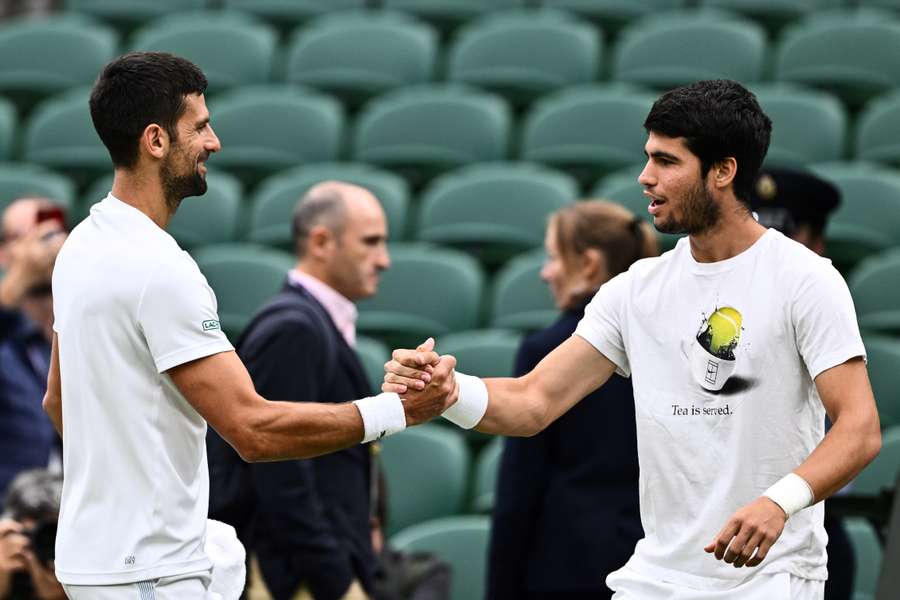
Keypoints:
pixel 630 585
pixel 192 586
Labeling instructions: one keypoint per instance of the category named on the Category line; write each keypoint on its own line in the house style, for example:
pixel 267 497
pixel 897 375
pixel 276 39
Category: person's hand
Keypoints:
pixel 439 395
pixel 13 546
pixel 410 369
pixel 753 528
pixel 43 580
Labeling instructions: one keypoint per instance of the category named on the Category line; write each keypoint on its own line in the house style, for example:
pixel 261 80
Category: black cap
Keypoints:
pixel 786 198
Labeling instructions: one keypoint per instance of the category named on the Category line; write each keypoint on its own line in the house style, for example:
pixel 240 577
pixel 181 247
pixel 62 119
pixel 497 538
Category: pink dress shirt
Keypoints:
pixel 341 310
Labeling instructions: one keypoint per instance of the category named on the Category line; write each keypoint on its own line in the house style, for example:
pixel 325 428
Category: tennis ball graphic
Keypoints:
pixel 722 333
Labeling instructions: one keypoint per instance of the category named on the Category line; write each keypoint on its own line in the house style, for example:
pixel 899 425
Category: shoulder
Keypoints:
pixel 288 314
pixel 797 266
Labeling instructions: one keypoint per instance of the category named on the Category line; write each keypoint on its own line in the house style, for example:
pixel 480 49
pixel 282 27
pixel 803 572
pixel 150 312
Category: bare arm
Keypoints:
pixel 221 390
pixel 53 396
pixel 525 405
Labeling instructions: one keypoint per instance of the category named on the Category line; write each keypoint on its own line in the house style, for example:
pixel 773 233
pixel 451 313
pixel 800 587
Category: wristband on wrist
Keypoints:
pixel 382 415
pixel 472 403
pixel 791 493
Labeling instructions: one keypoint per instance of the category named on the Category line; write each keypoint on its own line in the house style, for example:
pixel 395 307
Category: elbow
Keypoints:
pixel 536 419
pixel 872 445
pixel 51 404
pixel 248 450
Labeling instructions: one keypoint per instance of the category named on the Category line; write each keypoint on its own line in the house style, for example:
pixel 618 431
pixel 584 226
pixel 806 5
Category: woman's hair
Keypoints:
pixel 613 229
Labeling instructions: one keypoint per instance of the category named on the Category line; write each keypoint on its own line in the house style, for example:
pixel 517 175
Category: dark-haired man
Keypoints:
pixel 739 340
pixel 140 364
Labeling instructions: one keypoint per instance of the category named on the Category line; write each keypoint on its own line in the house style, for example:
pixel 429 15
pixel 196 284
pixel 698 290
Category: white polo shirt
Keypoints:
pixel 130 304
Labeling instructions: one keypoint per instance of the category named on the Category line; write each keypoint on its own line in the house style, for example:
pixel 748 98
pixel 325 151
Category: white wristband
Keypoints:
pixel 469 409
pixel 382 415
pixel 791 493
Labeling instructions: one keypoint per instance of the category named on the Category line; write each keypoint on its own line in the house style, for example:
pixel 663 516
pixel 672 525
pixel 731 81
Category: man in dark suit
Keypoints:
pixel 308 521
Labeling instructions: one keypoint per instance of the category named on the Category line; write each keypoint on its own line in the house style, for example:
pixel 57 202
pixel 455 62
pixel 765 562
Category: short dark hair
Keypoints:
pixel 717 118
pixel 34 494
pixel 138 89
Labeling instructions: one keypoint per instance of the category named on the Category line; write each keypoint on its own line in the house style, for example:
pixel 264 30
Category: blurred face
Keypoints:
pixel 183 170
pixel 567 287
pixel 680 201
pixel 360 252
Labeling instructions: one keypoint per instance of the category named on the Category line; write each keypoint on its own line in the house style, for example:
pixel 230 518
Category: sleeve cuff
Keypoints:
pixel 179 357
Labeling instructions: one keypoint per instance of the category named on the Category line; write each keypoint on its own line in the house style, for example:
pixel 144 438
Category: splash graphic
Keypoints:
pixel 720 334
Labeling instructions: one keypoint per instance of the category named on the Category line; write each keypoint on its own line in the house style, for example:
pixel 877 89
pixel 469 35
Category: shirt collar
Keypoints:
pixel 341 310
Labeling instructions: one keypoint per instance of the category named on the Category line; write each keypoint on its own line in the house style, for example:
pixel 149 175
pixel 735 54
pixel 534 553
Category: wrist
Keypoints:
pixel 792 493
pixel 470 406
pixel 382 415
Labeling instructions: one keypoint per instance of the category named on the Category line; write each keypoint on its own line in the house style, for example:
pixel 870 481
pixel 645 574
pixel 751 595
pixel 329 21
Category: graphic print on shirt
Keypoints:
pixel 714 353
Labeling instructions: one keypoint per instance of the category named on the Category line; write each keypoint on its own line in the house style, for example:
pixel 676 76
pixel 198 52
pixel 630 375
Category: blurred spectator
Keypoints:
pixel 27 537
pixel 33 232
pixel 566 511
pixel 308 521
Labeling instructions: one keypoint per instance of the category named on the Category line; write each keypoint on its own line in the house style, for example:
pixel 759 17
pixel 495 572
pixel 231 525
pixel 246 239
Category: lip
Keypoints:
pixel 656 203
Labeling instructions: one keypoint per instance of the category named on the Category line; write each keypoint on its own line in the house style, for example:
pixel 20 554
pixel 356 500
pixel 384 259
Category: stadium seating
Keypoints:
pixel 807 125
pixel 42 57
pixel 519 298
pixel 7 128
pixel 868 219
pixel 213 218
pixel 271 128
pixel 407 457
pixel 428 291
pixel 460 541
pixel 127 14
pixel 883 360
pixel 482 352
pixel 623 188
pixel 60 135
pixel 773 14
pixel 243 276
pixel 359 55
pixel 668 51
pixel 497 53
pixel 423 130
pixel 612 15
pixel 494 210
pixel 855 54
pixel 286 14
pixel 587 130
pixel 891 4
pixel 276 196
pixel 487 467
pixel 447 14
pixel 881 472
pixel 20 180
pixel 878 130
pixel 867 554
pixel 373 353
pixel 875 287
pixel 230 48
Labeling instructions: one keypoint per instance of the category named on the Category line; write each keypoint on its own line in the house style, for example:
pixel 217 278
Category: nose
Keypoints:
pixel 647 178
pixel 213 144
pixel 545 272
pixel 384 260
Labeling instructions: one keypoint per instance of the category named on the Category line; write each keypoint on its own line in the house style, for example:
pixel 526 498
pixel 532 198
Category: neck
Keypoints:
pixel 144 192
pixel 315 270
pixel 735 232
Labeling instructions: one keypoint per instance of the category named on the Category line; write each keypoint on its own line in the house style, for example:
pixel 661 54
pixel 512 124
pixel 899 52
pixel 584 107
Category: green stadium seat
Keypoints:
pixel 244 277
pixel 462 542
pixel 43 57
pixel 774 14
pixel 807 125
pixel 612 15
pixel 360 55
pixel 680 48
pixel 423 130
pixel 21 180
pixel 588 131
pixel 519 298
pixel 494 211
pixel 487 467
pixel 888 4
pixel 497 53
pixel 276 196
pixel 286 14
pixel 868 219
pixel 482 352
pixel 266 129
pixel 412 496
pixel 883 360
pixel 878 130
pixel 7 128
pixel 622 187
pixel 60 135
pixel 128 14
pixel 447 14
pixel 854 54
pixel 373 353
pixel 428 291
pixel 875 287
pixel 231 49
pixel 867 555
pixel 881 472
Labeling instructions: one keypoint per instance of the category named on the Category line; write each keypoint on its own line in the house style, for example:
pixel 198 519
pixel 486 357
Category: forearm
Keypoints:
pixel 53 407
pixel 514 408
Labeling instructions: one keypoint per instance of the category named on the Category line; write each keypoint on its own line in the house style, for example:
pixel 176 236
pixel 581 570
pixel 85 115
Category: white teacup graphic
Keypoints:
pixel 712 354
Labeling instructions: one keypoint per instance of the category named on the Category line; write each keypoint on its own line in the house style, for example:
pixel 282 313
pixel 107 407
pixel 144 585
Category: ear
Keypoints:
pixel 723 172
pixel 155 141
pixel 320 242
pixel 593 266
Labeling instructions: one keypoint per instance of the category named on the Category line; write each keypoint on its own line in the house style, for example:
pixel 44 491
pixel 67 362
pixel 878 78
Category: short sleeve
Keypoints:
pixel 825 321
pixel 603 320
pixel 178 315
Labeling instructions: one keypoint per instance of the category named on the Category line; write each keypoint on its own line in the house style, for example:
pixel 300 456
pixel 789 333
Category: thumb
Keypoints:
pixel 710 547
pixel 426 346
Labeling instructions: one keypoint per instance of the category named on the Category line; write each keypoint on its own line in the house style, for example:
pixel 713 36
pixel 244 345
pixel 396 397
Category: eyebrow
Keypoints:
pixel 202 121
pixel 661 154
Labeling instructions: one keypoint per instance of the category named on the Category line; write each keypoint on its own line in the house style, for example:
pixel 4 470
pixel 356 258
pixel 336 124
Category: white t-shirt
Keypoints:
pixel 130 304
pixel 760 327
